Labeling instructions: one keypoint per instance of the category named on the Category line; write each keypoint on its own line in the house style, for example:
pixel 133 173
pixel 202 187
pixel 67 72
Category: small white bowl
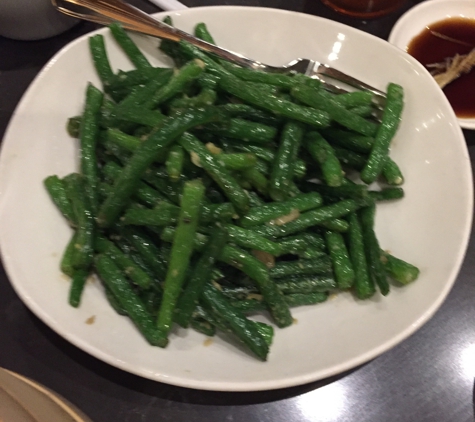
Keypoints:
pixel 416 19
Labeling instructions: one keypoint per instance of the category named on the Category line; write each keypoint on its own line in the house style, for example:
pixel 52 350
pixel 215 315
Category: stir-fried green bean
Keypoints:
pixel 211 191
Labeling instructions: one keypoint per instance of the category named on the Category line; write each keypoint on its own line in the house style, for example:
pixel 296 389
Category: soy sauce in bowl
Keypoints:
pixel 443 40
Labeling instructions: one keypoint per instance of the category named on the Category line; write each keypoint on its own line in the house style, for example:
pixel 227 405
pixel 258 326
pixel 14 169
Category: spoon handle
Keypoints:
pixel 105 12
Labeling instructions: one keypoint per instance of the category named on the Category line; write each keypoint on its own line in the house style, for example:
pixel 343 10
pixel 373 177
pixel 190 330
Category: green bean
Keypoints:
pixel 176 84
pixel 216 319
pixel 218 173
pixel 306 284
pixel 182 248
pixel 163 214
pixel 114 303
pixel 387 194
pixel 245 111
pixel 206 97
pixel 335 224
pixel 399 269
pixel 125 142
pixel 88 139
pixel 354 99
pixel 166 213
pixel 262 152
pixel 249 239
pixel 143 156
pixel 278 79
pixel 108 119
pixel 144 193
pixel 77 286
pixel 302 299
pixel 248 305
pixel 290 268
pixel 367 111
pixel 254 199
pixel 112 277
pixel 372 249
pixel 149 253
pixel 258 272
pixel 141 94
pixel 293 300
pixel 57 191
pixel 73 126
pixel 171 190
pixel 129 47
pixel 256 179
pixel 262 166
pixel 262 99
pixel 338 112
pixel 299 169
pixel 200 276
pixel 294 244
pixel 133 78
pixel 237 161
pixel 211 213
pixel 244 329
pixel 282 169
pixel 66 263
pixel 342 266
pixel 151 299
pixel 392 173
pixel 324 155
pixel 349 140
pixel 99 58
pixel 174 163
pixel 349 158
pixel 81 256
pixel 363 284
pixel 243 130
pixel 255 269
pixel 124 262
pixel 312 253
pixel 389 125
pixel 137 114
pixel 344 191
pixel 201 32
pixel 272 211
pixel 203 327
pixel 297 243
pixel 207 81
pixel 312 218
pixel 170 48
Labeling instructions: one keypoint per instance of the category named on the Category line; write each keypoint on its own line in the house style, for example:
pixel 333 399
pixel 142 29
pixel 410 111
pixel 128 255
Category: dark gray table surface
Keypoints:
pixel 428 377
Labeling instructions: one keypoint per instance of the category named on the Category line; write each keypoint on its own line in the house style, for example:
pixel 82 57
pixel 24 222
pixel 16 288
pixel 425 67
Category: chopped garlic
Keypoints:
pixel 195 159
pixel 213 148
pixel 255 296
pixel 291 216
pixel 200 63
pixel 265 257
pixel 217 285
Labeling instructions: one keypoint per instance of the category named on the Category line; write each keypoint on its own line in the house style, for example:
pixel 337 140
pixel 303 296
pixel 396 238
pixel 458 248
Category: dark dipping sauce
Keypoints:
pixel 429 48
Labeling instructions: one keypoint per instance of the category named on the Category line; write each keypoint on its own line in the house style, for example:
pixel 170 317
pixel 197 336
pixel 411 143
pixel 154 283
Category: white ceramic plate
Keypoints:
pixel 413 22
pixel 429 228
pixel 22 399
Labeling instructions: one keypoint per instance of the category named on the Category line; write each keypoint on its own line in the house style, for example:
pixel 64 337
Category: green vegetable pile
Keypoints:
pixel 210 191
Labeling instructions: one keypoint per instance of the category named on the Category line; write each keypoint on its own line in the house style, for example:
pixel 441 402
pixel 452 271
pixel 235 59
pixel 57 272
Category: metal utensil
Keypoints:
pixel 105 12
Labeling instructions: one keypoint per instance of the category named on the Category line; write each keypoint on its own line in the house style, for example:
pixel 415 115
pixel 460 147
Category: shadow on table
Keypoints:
pixel 169 392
